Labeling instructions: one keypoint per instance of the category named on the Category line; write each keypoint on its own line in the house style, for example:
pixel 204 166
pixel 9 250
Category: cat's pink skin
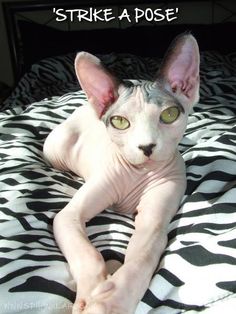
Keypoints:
pixel 119 175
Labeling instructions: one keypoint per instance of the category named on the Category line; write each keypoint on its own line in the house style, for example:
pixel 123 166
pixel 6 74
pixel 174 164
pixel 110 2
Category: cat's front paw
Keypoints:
pixel 91 302
pixel 78 306
pixel 108 298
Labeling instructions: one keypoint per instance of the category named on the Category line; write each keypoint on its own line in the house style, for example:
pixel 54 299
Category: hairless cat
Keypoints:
pixel 124 143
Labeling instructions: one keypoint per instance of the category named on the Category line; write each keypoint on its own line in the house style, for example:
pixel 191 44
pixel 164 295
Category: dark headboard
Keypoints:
pixel 30 41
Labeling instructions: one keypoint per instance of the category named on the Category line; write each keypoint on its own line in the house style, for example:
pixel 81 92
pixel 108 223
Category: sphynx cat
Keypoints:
pixel 124 144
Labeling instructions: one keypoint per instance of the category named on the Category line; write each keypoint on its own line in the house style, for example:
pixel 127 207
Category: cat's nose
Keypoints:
pixel 147 149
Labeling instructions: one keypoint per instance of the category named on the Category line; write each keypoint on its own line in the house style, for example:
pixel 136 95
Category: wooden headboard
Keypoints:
pixel 35 29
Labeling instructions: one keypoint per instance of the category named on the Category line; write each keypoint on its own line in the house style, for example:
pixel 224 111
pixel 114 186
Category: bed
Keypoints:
pixel 197 271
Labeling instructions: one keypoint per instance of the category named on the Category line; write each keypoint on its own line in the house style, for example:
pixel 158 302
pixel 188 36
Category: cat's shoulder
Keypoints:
pixel 84 111
pixel 83 116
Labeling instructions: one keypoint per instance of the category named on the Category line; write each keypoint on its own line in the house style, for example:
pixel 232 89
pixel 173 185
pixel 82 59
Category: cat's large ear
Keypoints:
pixel 99 85
pixel 179 72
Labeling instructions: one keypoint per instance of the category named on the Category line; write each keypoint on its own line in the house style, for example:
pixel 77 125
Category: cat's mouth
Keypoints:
pixel 148 162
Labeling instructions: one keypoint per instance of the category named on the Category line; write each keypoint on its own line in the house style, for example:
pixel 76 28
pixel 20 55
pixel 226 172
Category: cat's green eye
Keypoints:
pixel 169 115
pixel 119 122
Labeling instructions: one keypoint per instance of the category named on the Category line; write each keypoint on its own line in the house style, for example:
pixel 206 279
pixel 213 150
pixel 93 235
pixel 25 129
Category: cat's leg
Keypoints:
pixel 143 253
pixel 86 263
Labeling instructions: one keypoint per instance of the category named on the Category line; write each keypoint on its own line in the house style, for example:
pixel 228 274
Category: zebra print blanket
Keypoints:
pixel 197 272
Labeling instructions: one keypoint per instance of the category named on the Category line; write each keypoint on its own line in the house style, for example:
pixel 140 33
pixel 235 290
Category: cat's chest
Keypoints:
pixel 129 187
pixel 130 190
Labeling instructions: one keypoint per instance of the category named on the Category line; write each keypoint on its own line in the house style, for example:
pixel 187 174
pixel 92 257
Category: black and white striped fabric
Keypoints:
pixel 197 272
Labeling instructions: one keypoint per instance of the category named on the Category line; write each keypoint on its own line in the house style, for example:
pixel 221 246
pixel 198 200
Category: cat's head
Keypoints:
pixel 145 119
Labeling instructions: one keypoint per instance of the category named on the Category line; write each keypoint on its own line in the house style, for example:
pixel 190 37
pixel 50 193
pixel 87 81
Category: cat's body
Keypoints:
pixel 125 147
